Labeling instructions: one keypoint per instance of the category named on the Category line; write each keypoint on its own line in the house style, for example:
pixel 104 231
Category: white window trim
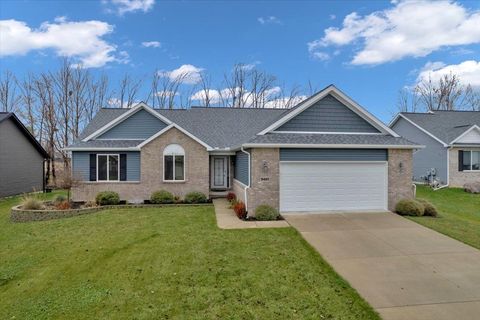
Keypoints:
pixel 184 164
pixel 108 166
pixel 471 161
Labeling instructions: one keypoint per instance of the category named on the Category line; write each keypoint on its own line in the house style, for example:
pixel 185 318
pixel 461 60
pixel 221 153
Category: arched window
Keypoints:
pixel 173 163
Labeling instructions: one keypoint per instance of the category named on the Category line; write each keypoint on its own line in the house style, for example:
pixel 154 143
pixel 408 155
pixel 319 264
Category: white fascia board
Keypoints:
pixel 348 133
pixel 102 149
pixel 333 146
pixel 156 135
pixel 465 133
pixel 174 125
pixel 421 129
pixel 124 116
pixel 349 103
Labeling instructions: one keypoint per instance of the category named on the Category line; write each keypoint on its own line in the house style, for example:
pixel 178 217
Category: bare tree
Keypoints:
pixel 29 108
pixel 165 90
pixel 44 89
pixel 448 93
pixel 8 92
pixel 128 90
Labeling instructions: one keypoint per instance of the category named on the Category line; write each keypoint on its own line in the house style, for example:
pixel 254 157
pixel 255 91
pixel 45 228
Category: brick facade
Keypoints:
pixel 400 175
pixel 265 175
pixel 196 172
pixel 459 178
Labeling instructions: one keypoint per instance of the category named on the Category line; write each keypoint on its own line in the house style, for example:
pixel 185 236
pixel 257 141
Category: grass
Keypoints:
pixel 459 213
pixel 164 263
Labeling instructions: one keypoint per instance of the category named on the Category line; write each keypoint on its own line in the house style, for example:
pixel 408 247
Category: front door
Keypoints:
pixel 219 170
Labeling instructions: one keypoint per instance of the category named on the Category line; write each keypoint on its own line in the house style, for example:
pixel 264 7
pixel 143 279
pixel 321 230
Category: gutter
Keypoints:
pixel 249 177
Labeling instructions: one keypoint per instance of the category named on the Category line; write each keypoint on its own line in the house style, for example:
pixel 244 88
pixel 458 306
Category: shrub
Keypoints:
pixel 240 210
pixel 105 198
pixel 231 196
pixel 195 197
pixel 429 209
pixel 64 205
pixel 32 203
pixel 162 197
pixel 59 198
pixel 233 203
pixel 409 207
pixel 265 213
pixel 90 204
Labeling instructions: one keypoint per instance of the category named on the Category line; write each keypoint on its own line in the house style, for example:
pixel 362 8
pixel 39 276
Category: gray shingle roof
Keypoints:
pixel 223 127
pixel 360 139
pixel 4 115
pixel 102 117
pixel 229 128
pixel 106 144
pixel 445 125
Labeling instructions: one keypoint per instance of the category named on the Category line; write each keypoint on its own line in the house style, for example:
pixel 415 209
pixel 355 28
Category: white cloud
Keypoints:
pixel 217 96
pixel 116 103
pixel 151 44
pixel 269 20
pixel 332 17
pixel 467 71
pixel 187 73
pixel 285 102
pixel 125 6
pixel 250 66
pixel 81 40
pixel 410 28
pixel 319 55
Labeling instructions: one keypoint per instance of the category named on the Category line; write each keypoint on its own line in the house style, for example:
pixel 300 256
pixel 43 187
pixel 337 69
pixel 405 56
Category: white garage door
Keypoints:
pixel 327 186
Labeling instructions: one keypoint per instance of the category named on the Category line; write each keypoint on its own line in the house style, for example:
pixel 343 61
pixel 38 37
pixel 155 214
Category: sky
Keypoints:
pixel 368 49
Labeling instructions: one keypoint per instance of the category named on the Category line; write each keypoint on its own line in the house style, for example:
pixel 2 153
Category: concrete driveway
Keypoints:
pixel 404 270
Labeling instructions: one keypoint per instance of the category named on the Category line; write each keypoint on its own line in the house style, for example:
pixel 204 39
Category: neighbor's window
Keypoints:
pixel 174 163
pixel 471 160
pixel 108 167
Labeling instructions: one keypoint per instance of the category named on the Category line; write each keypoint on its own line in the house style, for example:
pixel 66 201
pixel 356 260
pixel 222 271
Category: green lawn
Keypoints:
pixel 459 213
pixel 164 263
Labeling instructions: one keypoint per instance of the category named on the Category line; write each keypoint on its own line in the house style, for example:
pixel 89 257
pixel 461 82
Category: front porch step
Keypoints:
pixel 218 194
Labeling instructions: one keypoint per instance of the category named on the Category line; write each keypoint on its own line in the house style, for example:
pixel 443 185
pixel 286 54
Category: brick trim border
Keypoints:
pixel 19 215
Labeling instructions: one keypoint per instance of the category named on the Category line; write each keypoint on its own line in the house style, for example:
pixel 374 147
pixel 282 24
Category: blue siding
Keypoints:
pixel 433 156
pixel 141 125
pixel 81 164
pixel 241 167
pixel 328 115
pixel 333 155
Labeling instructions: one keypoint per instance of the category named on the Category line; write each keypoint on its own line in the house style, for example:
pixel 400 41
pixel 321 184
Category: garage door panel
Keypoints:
pixel 326 186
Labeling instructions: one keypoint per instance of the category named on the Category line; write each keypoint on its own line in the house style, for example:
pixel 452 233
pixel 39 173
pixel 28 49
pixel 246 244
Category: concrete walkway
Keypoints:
pixel 404 270
pixel 226 218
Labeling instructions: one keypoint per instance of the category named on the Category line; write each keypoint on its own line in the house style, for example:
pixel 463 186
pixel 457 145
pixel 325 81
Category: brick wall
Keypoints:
pixel 265 184
pixel 459 178
pixel 400 173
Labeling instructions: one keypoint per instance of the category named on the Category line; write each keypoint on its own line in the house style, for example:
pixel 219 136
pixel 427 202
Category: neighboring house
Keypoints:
pixel 326 153
pixel 452 140
pixel 21 158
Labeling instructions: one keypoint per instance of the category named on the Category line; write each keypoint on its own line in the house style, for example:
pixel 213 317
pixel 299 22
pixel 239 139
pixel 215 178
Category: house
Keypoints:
pixel 326 153
pixel 452 144
pixel 21 158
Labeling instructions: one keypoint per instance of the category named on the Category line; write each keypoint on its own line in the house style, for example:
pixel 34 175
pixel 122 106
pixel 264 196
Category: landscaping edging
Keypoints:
pixel 19 215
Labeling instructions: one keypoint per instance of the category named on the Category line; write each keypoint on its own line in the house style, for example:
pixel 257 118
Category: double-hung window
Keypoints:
pixel 471 160
pixel 108 167
pixel 174 163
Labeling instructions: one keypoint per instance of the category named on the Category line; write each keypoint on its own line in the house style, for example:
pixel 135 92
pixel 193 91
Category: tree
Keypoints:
pixel 8 92
pixel 448 93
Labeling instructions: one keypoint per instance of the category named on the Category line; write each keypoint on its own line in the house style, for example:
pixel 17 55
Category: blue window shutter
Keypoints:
pixel 460 160
pixel 93 167
pixel 123 167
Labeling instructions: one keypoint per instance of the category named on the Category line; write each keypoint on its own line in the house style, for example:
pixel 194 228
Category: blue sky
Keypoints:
pixel 369 49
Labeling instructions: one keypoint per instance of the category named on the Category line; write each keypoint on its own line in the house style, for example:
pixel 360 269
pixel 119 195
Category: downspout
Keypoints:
pixel 249 173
